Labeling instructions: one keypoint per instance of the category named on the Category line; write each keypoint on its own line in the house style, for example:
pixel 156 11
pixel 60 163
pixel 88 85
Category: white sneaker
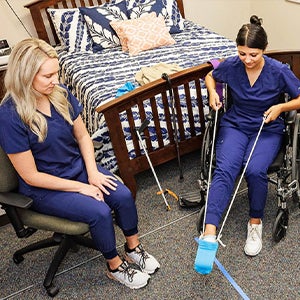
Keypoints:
pixel 254 239
pixel 129 276
pixel 143 259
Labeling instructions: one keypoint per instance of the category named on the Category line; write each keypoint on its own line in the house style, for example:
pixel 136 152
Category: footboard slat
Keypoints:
pixel 132 136
pixel 178 114
pixel 155 117
pixel 190 109
pixel 143 117
pixel 168 116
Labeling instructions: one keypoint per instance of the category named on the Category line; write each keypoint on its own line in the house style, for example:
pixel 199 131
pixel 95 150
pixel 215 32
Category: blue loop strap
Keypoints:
pixel 231 280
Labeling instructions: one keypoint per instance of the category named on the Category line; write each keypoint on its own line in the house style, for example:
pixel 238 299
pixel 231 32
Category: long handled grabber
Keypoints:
pixel 166 77
pixel 207 249
pixel 161 192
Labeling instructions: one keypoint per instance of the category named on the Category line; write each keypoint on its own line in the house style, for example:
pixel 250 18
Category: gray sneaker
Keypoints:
pixel 143 259
pixel 129 275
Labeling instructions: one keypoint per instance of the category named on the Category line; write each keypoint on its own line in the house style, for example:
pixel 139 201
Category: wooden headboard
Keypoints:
pixel 42 21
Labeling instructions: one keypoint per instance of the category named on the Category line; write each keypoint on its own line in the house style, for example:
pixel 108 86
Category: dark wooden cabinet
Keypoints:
pixel 2 74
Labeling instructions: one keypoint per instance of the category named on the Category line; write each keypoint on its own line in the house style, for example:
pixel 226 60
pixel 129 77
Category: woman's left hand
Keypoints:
pixel 103 182
pixel 272 113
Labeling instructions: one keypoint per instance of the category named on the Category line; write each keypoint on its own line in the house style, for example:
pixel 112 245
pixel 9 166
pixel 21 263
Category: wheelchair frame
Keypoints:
pixel 285 166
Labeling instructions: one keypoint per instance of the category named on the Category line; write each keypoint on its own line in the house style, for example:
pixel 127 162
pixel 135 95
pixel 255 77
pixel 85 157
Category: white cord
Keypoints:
pixel 210 166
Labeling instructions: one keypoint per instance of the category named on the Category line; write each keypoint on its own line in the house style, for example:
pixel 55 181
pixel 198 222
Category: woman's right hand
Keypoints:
pixel 214 100
pixel 92 191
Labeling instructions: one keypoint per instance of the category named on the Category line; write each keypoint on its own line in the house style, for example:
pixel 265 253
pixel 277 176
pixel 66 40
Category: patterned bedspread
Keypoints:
pixel 94 78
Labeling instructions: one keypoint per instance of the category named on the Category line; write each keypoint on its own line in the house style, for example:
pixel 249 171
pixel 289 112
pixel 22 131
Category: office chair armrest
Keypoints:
pixel 290 117
pixel 15 199
pixel 11 202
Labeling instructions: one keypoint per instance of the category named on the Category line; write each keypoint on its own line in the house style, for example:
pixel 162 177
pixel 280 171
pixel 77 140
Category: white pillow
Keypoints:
pixel 71 29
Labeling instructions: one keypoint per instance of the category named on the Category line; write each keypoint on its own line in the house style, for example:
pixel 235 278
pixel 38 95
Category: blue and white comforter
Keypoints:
pixel 94 78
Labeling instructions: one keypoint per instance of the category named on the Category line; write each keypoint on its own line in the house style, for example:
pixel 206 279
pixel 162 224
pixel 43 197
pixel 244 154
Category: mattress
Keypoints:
pixel 94 79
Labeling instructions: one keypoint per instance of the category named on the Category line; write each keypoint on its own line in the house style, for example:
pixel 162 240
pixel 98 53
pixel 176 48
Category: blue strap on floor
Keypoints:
pixel 231 280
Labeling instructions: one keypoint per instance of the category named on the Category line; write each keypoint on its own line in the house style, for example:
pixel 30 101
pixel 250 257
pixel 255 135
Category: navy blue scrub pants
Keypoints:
pixel 97 214
pixel 232 151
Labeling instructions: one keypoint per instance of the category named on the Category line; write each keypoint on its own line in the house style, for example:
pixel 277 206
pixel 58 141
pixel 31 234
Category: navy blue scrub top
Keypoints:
pixel 58 155
pixel 250 102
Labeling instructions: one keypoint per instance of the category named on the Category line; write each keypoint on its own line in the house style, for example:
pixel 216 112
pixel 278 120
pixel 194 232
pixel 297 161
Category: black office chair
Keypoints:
pixel 66 234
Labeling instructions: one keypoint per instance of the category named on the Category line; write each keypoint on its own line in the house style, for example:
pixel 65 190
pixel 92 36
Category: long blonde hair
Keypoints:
pixel 24 63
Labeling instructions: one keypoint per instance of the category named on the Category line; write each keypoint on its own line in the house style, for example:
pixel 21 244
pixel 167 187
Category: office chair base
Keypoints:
pixel 52 290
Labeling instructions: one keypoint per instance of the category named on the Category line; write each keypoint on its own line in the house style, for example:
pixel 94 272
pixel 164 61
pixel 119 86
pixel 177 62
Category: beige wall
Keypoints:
pixel 223 16
pixel 10 28
pixel 226 17
pixel 281 20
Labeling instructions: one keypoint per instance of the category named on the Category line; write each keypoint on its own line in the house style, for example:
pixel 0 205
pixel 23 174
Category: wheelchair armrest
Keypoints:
pixel 290 117
pixel 211 114
pixel 10 202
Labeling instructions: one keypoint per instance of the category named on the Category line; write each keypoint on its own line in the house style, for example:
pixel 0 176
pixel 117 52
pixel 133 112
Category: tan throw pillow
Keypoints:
pixel 147 32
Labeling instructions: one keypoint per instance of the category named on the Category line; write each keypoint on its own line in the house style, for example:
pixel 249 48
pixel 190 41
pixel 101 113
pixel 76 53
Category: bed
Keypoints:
pixel 95 77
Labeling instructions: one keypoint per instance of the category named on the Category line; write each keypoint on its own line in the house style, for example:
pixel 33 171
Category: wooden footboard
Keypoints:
pixel 290 57
pixel 136 100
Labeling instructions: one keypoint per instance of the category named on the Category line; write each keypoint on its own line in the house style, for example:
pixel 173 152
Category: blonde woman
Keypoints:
pixel 45 139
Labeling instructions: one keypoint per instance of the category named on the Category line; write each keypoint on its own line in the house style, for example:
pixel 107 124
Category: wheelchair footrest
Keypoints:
pixel 289 190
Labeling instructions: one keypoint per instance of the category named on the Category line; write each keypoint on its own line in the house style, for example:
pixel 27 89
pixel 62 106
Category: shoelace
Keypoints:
pixel 254 234
pixel 127 270
pixel 144 255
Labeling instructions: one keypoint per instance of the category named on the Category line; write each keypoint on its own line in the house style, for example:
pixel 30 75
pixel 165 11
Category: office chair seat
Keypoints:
pixel 36 220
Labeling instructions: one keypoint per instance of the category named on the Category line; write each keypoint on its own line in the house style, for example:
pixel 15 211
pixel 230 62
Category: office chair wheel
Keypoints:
pixel 52 290
pixel 280 225
pixel 200 219
pixel 17 258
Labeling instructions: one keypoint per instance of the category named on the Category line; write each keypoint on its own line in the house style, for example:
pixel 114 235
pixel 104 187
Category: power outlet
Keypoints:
pixel 3 44
pixel 4 48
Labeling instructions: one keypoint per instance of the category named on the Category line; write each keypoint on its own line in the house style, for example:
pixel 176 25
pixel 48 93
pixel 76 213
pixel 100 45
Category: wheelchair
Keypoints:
pixel 284 172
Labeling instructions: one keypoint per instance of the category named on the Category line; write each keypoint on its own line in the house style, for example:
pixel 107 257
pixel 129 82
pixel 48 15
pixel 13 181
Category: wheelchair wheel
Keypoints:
pixel 296 156
pixel 280 225
pixel 200 219
pixel 296 149
pixel 206 149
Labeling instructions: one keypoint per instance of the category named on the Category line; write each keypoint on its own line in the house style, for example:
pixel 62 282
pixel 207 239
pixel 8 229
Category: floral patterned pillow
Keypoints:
pixel 166 8
pixel 71 29
pixel 98 19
